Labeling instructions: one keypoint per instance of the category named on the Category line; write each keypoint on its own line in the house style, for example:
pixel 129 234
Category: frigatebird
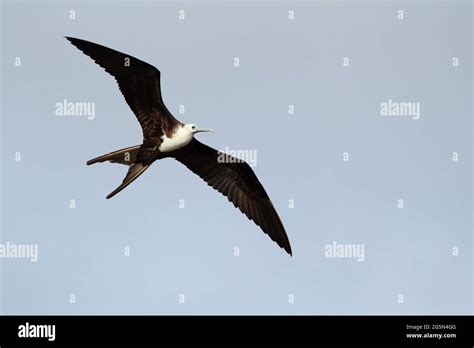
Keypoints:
pixel 166 137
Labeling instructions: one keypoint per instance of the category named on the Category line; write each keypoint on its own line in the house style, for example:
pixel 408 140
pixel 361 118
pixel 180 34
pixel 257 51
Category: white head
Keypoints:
pixel 180 138
pixel 192 129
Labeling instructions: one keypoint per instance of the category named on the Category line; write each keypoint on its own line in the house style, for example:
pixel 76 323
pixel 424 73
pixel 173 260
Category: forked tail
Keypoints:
pixel 125 156
pixel 134 171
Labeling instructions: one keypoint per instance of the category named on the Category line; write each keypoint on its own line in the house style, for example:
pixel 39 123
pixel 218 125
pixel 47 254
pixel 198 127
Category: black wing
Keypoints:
pixel 139 83
pixel 237 181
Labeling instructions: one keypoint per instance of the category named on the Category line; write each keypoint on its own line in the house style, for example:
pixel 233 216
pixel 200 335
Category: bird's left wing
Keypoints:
pixel 139 83
pixel 236 180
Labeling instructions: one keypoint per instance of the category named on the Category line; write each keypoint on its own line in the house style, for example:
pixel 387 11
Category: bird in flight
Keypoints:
pixel 166 137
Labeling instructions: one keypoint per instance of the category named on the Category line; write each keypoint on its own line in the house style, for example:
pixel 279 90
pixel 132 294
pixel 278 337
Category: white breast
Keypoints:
pixel 179 139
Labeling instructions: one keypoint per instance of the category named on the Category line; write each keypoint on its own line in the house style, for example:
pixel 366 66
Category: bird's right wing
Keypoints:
pixel 236 180
pixel 139 83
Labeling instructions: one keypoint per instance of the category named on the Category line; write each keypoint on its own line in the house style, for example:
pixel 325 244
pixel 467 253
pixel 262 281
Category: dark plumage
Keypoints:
pixel 139 83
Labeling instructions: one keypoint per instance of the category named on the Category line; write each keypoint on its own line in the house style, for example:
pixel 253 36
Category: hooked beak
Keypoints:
pixel 204 130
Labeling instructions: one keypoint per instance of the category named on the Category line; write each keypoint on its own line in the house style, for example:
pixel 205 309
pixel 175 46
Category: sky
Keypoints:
pixel 358 115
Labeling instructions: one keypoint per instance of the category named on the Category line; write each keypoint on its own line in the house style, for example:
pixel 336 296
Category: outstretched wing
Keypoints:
pixel 236 180
pixel 139 83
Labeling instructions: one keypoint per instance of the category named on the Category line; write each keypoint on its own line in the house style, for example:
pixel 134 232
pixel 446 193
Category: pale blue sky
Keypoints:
pixel 300 157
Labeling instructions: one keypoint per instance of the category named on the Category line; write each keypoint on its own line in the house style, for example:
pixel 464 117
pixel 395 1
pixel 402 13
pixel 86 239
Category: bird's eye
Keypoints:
pixel 194 127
